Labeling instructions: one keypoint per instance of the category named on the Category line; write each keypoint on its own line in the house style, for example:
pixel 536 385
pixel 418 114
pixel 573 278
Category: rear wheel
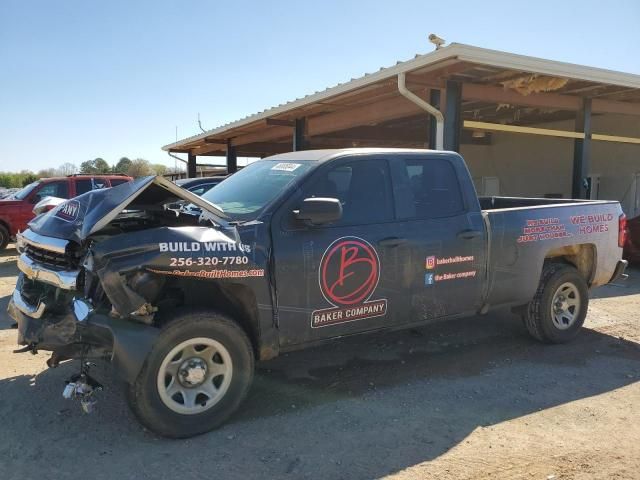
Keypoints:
pixel 4 237
pixel 558 310
pixel 196 376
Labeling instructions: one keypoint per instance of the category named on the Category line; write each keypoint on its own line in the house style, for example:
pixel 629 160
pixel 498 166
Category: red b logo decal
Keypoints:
pixel 349 271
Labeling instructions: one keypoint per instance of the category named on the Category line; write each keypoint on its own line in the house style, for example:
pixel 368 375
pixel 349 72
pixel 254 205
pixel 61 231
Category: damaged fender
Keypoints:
pixel 132 343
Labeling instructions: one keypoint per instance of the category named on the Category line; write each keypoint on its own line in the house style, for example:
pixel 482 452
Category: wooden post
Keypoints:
pixel 299 131
pixel 191 165
pixel 232 158
pixel 452 116
pixel 582 152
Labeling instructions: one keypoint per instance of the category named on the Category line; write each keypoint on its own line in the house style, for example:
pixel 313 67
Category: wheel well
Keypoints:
pixel 581 256
pixel 234 300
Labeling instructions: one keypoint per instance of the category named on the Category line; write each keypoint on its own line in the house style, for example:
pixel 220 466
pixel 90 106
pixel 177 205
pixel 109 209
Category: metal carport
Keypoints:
pixel 480 92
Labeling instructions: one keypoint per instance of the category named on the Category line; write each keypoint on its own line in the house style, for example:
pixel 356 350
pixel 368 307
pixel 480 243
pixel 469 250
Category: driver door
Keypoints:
pixel 340 278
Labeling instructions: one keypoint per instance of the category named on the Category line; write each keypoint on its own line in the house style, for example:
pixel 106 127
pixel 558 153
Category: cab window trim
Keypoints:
pixel 309 180
pixel 400 163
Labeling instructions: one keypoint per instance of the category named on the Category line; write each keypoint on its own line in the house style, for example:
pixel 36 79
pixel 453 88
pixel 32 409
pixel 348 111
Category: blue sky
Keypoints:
pixel 81 79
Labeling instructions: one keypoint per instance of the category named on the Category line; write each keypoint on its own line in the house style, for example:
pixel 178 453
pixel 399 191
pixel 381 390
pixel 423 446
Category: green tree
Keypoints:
pixel 97 165
pixel 122 166
pixel 102 166
pixel 10 180
pixel 88 166
pixel 24 177
pixel 28 178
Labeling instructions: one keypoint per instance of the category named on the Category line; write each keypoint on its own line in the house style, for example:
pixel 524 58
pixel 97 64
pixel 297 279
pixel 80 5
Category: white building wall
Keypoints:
pixel 533 165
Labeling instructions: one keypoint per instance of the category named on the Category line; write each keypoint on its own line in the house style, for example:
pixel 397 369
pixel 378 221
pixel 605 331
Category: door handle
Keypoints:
pixel 392 242
pixel 469 234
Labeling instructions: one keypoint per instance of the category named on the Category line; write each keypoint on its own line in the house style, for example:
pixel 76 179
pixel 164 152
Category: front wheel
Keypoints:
pixel 195 377
pixel 558 310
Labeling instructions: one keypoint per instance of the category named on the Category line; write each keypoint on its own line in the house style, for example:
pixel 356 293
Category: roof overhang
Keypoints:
pixel 373 99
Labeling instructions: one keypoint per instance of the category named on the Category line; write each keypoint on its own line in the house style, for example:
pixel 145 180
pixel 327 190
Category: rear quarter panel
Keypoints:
pixel 521 238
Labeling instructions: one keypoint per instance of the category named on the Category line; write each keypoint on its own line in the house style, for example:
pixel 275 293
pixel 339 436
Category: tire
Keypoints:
pixel 4 237
pixel 558 309
pixel 192 396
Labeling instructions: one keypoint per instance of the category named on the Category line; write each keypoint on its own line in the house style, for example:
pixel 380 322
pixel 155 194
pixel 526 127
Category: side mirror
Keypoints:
pixel 318 211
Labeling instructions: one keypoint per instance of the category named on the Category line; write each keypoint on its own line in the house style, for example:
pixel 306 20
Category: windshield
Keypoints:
pixel 245 194
pixel 22 194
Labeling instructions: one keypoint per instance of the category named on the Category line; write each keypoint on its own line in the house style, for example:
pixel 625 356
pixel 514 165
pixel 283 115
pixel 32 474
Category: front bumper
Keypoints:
pixel 48 332
pixel 19 303
pixel 65 279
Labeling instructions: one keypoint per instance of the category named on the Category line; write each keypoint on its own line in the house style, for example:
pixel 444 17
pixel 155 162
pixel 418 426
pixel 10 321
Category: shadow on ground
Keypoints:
pixel 9 251
pixel 357 408
pixel 630 286
pixel 5 321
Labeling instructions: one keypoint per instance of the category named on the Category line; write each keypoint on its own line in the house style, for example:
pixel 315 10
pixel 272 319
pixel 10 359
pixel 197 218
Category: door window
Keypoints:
pixel 87 184
pixel 83 186
pixel 426 189
pixel 118 181
pixel 52 189
pixel 363 188
pixel 99 183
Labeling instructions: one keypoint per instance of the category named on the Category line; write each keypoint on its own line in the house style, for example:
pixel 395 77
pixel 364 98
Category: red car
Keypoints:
pixel 17 210
pixel 632 241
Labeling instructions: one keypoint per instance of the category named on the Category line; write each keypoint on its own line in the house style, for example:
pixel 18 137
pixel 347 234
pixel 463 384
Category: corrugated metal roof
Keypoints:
pixel 461 52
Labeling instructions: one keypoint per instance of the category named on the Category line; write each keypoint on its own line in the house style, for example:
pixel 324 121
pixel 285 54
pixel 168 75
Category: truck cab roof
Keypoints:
pixel 330 154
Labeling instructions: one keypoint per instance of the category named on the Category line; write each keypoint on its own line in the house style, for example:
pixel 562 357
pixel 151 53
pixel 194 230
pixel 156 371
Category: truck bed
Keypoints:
pixel 522 232
pixel 497 203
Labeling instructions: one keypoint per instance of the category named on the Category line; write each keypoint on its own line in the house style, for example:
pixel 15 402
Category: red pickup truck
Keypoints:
pixel 17 209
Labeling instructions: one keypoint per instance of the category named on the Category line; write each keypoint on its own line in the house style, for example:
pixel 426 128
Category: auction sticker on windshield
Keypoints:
pixel 285 167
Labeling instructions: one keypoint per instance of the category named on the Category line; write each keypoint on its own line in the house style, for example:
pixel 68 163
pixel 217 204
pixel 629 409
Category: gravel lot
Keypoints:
pixel 474 398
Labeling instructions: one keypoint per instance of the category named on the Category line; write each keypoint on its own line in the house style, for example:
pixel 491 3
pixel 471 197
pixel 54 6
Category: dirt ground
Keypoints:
pixel 475 398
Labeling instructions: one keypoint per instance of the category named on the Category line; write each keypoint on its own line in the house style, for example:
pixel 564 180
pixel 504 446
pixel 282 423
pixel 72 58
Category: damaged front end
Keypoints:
pixel 46 302
pixel 84 291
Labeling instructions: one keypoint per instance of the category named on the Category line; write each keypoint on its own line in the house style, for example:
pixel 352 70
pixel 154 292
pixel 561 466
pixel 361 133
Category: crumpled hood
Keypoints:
pixel 79 217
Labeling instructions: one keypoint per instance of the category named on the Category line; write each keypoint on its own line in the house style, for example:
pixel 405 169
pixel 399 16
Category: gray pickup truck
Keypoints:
pixel 293 250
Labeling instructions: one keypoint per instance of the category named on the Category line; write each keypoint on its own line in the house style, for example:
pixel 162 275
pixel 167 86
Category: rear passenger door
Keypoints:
pixel 84 185
pixel 445 235
pixel 340 278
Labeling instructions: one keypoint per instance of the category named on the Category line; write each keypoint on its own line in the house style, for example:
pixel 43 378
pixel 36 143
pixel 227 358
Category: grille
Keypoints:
pixel 58 261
